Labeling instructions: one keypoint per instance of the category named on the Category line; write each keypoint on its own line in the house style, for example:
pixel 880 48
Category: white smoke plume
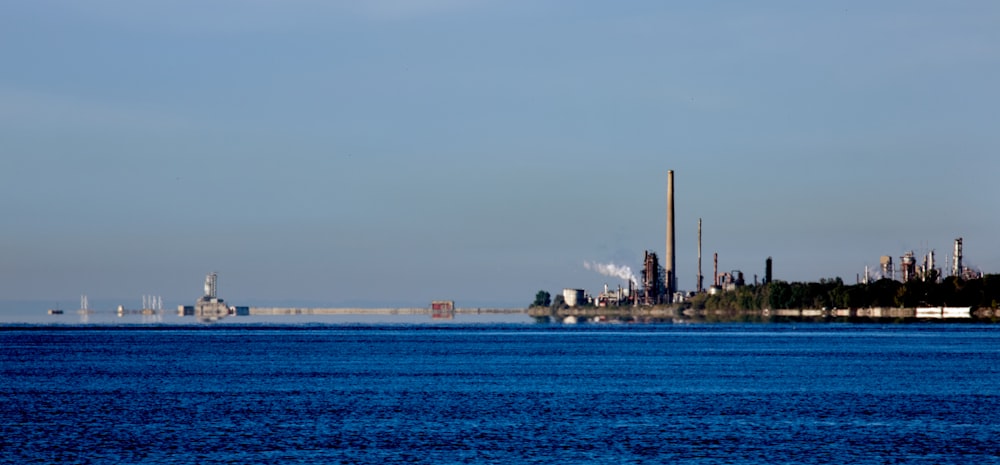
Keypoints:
pixel 610 269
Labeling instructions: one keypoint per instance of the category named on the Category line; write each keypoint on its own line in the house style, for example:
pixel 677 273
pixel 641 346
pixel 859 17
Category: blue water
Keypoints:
pixel 501 394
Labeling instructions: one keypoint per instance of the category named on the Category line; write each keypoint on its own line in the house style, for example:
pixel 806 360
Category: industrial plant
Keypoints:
pixel 927 271
pixel 658 283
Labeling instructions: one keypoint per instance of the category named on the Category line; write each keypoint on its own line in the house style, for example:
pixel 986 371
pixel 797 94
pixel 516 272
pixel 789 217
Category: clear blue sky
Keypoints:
pixel 390 152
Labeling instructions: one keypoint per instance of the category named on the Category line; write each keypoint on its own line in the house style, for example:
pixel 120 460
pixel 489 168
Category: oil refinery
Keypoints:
pixel 658 283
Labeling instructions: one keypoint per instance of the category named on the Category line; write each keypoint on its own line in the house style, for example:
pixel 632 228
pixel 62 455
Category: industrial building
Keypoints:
pixel 443 309
pixel 652 283
pixel 926 271
pixel 443 305
pixel 209 307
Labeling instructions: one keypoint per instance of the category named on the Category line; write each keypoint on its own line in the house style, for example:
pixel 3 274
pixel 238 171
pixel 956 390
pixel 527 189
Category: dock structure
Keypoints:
pixel 376 311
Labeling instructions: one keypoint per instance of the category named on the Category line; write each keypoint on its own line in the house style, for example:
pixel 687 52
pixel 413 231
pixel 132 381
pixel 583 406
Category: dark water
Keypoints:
pixel 501 394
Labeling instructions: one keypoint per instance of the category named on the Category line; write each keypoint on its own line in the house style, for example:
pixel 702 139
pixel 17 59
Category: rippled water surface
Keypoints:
pixel 501 394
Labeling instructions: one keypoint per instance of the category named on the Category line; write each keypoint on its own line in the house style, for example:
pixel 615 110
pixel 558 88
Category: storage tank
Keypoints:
pixel 908 266
pixel 573 297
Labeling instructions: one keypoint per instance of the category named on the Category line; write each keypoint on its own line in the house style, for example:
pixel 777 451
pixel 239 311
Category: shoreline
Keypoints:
pixel 678 313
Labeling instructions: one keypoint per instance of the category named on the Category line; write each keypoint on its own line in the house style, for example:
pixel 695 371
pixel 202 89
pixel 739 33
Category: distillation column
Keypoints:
pixel 957 260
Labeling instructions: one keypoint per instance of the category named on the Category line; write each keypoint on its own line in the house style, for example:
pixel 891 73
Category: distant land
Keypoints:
pixel 885 299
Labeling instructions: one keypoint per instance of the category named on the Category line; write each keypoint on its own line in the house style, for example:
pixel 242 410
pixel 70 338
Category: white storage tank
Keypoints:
pixel 573 297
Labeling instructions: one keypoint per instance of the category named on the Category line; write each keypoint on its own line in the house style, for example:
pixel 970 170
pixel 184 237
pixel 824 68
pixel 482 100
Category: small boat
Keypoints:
pixel 55 311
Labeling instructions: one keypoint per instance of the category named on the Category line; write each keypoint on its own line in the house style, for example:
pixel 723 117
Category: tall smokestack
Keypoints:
pixel 715 269
pixel 700 277
pixel 670 262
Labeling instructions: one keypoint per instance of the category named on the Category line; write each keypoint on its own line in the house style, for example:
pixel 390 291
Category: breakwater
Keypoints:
pixel 377 311
pixel 218 311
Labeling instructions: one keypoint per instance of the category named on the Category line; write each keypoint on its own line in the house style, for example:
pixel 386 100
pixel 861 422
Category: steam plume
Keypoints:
pixel 610 269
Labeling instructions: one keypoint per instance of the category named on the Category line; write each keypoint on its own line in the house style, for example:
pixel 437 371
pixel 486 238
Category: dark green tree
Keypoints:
pixel 779 294
pixel 882 293
pixel 542 299
pixel 801 297
pixel 833 293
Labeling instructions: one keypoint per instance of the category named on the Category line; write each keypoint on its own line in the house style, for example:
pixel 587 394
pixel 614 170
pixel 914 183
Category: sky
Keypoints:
pixel 393 152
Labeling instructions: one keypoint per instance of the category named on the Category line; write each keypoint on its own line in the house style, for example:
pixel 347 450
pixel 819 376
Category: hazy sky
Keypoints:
pixel 390 152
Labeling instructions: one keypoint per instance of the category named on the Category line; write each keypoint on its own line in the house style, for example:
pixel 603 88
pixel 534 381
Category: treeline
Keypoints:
pixel 833 293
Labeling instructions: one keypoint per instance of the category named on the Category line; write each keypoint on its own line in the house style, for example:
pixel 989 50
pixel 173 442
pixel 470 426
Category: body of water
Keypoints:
pixel 501 394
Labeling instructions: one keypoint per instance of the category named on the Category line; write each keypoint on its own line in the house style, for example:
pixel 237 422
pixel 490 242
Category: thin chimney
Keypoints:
pixel 671 262
pixel 715 272
pixel 700 277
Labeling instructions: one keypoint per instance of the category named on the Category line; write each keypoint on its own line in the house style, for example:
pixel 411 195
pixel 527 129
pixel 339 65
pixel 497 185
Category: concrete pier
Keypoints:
pixel 377 311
